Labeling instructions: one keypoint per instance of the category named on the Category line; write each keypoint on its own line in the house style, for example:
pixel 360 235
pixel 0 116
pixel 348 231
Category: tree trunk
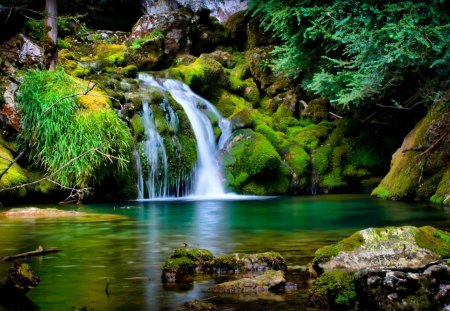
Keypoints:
pixel 51 35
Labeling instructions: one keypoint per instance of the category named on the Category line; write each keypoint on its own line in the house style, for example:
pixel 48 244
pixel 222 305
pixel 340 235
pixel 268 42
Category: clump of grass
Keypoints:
pixel 66 132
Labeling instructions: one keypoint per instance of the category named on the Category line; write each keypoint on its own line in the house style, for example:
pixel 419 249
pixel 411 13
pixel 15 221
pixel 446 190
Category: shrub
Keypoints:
pixel 70 142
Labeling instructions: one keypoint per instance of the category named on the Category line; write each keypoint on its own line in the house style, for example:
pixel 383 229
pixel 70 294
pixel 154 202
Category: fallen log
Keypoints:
pixel 38 252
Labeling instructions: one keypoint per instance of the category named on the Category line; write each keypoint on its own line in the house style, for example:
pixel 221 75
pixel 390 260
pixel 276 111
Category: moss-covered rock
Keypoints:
pixel 269 280
pixel 335 290
pixel 248 154
pixel 203 75
pixel 317 109
pixel 420 167
pixel 384 248
pixel 229 104
pixel 14 176
pixel 257 58
pixel 248 262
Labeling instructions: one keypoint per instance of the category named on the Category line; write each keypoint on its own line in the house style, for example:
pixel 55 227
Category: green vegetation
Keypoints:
pixel 348 244
pixel 138 42
pixel 355 52
pixel 435 240
pixel 194 254
pixel 69 140
pixel 335 290
pixel 175 264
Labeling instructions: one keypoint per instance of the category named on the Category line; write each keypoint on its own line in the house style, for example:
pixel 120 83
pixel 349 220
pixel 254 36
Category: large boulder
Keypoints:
pixel 393 268
pixel 222 10
pixel 252 164
pixel 404 247
pixel 22 52
pixel 420 168
pixel 183 30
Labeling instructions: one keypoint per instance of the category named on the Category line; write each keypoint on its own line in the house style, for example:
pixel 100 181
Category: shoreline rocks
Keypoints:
pixel 393 268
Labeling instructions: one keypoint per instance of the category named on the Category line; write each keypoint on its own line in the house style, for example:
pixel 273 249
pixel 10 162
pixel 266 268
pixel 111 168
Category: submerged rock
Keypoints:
pixel 184 263
pixel 197 305
pixel 269 280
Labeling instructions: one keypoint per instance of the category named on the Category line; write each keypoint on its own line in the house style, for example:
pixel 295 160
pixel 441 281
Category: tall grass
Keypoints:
pixel 67 132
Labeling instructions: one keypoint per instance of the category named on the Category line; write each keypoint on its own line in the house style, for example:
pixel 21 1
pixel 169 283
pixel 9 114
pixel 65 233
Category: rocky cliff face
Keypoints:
pixel 221 9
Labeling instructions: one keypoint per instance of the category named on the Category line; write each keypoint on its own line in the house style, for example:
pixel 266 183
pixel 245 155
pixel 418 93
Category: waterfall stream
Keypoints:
pixel 207 178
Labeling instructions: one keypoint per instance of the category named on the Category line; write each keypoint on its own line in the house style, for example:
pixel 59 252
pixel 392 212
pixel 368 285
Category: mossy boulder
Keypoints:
pixel 334 290
pixel 317 109
pixel 298 162
pixel 420 167
pixel 203 75
pixel 256 58
pixel 385 248
pixel 269 280
pixel 248 154
pixel 229 104
pixel 259 262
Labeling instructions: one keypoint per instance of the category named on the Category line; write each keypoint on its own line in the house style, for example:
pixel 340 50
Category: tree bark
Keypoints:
pixel 51 35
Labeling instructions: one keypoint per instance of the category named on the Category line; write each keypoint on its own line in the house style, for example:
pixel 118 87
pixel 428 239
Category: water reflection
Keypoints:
pixel 130 252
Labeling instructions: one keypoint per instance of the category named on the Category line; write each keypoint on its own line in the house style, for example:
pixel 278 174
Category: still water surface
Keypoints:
pixel 130 252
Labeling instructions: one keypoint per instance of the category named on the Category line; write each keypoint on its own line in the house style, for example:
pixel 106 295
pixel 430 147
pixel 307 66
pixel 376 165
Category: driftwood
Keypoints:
pixel 19 280
pixel 38 252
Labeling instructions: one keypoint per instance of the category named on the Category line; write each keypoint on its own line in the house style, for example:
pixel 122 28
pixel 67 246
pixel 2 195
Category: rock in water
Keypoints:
pixel 393 268
pixel 19 281
pixel 270 280
pixel 385 248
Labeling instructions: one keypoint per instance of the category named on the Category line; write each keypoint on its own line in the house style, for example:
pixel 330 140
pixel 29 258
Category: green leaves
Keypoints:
pixel 357 51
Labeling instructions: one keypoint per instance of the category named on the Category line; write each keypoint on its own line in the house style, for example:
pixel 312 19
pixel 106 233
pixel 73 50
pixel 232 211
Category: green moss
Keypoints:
pixel 44 187
pixel 249 154
pixel 175 264
pixel 251 91
pixel 138 127
pixel 229 104
pixel 436 199
pixel 194 254
pixel 321 159
pixel 241 71
pixel 310 136
pixel 335 290
pixel 203 75
pixel 129 71
pixel 274 183
pixel 443 189
pixel 346 245
pixel 237 86
pixel 14 176
pixel 435 240
pixel 298 160
pixel 269 133
pixel 137 43
pixel 402 181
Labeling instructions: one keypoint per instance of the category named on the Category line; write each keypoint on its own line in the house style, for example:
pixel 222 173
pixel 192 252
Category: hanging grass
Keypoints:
pixel 78 146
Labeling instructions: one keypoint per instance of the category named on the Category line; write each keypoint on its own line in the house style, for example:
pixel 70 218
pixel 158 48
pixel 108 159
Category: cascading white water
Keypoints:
pixel 207 176
pixel 155 153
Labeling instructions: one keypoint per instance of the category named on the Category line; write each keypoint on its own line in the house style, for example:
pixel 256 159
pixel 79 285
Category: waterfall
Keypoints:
pixel 156 159
pixel 207 176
